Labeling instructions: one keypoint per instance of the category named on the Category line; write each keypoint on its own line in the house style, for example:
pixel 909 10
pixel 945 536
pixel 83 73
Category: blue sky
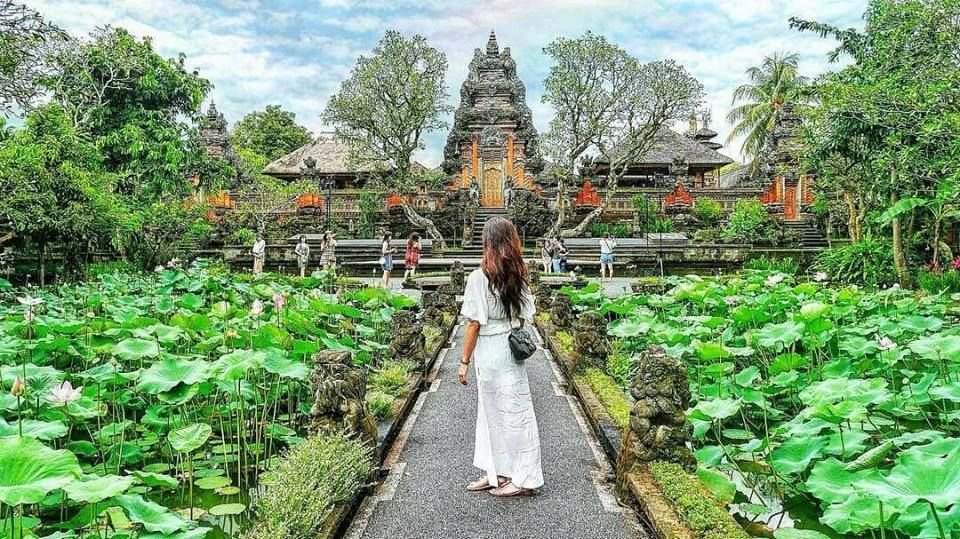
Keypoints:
pixel 260 52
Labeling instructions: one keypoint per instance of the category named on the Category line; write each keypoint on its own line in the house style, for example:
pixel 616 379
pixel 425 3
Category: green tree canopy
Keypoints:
pixel 272 133
pixel 25 38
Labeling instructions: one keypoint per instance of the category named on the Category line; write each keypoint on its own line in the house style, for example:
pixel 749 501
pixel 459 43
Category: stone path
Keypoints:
pixel 424 497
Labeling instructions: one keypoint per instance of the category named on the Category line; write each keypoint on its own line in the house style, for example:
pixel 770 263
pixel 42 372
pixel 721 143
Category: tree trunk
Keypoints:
pixel 561 208
pixel 613 184
pixel 853 225
pixel 418 220
pixel 899 257
pixel 936 244
pixel 42 262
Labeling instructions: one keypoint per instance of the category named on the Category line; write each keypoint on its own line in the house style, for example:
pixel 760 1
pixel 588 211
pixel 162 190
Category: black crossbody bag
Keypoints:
pixel 521 343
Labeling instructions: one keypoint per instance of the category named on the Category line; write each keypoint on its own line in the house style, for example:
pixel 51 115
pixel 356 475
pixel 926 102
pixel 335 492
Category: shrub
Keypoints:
pixel 307 485
pixel 868 262
pixel 617 230
pixel 748 223
pixel 706 235
pixel 564 341
pixel 380 404
pixel 936 282
pixel 243 236
pixel 620 366
pixel 708 211
pixel 695 505
pixel 612 398
pixel 661 225
pixel 783 265
pixel 391 377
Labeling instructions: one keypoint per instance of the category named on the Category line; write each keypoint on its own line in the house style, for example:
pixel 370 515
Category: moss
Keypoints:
pixel 564 342
pixel 695 505
pixel 308 484
pixel 612 398
pixel 543 317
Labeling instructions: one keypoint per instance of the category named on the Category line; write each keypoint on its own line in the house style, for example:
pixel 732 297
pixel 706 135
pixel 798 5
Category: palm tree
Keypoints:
pixel 775 82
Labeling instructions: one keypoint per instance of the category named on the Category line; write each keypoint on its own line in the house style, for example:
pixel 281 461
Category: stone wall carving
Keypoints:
pixel 339 389
pixel 658 429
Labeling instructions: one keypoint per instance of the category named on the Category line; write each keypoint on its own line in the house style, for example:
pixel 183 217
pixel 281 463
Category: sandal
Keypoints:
pixel 482 484
pixel 517 491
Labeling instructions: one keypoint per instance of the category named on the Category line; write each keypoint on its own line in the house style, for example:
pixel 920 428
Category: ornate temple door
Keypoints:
pixel 790 202
pixel 491 195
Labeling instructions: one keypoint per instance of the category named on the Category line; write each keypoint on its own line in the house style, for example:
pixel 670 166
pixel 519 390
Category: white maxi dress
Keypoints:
pixel 507 440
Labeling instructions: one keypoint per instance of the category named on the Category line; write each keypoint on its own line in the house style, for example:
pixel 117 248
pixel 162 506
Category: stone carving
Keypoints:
pixel 408 341
pixel 491 134
pixel 438 302
pixel 533 274
pixel 339 389
pixel 590 337
pixel 561 312
pixel 658 429
pixel 458 276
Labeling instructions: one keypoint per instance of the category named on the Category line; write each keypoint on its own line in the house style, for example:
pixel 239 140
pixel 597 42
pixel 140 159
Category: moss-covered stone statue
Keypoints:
pixel 339 389
pixel 658 429
pixel 561 312
pixel 541 292
pixel 590 337
pixel 458 277
pixel 408 341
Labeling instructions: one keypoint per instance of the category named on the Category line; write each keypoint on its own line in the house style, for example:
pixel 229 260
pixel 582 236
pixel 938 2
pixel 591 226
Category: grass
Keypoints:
pixel 380 404
pixel 695 505
pixel 564 342
pixel 612 398
pixel 308 484
pixel 391 377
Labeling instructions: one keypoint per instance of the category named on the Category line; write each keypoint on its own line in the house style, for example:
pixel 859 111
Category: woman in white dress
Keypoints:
pixel 497 298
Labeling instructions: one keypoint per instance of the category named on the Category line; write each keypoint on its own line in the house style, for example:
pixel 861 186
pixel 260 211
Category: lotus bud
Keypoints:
pixel 230 334
pixel 257 308
pixel 18 388
pixel 279 301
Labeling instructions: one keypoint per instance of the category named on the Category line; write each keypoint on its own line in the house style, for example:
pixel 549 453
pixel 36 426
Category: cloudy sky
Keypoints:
pixel 295 53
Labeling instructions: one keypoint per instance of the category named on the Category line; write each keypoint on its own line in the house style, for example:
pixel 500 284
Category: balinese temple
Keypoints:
pixel 493 142
pixel 789 192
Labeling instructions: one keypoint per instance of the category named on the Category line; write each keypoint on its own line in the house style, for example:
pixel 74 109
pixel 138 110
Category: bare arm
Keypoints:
pixel 469 344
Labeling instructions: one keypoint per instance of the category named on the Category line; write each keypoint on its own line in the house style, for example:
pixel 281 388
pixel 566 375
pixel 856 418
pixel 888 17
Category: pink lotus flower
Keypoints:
pixel 64 394
pixel 731 301
pixel 956 263
pixel 257 308
pixel 886 344
pixel 279 301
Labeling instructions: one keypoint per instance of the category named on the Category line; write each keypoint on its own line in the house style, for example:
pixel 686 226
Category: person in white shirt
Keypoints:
pixel 259 254
pixel 607 246
pixel 302 250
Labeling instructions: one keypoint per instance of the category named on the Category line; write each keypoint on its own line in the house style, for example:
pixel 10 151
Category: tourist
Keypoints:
pixel 302 250
pixel 562 252
pixel 259 254
pixel 607 245
pixel 496 300
pixel 412 258
pixel 328 248
pixel 507 194
pixel 546 254
pixel 555 255
pixel 386 258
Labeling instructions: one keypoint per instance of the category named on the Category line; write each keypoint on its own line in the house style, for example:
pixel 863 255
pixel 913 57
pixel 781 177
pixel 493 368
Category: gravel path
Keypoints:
pixel 424 495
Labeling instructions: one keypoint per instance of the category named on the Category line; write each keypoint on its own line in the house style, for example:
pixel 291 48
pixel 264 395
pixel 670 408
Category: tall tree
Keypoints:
pixel 390 101
pixel 773 83
pixel 272 133
pixel 899 101
pixel 608 105
pixel 25 40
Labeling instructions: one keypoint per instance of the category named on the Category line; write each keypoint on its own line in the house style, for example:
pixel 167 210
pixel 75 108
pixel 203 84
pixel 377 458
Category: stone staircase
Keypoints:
pixel 475 249
pixel 807 233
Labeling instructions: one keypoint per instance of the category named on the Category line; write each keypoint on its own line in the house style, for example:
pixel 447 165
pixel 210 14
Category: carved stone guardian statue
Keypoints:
pixel 458 276
pixel 590 337
pixel 408 341
pixel 561 312
pixel 658 429
pixel 339 389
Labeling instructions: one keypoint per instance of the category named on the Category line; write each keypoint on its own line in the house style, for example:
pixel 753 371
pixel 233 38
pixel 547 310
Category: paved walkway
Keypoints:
pixel 614 288
pixel 424 497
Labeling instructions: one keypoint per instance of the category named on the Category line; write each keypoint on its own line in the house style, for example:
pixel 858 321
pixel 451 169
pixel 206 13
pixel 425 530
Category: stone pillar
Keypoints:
pixel 408 341
pixel 590 338
pixel 658 429
pixel 339 389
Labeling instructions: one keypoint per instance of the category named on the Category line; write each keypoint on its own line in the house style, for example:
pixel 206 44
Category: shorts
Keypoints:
pixel 606 258
pixel 386 263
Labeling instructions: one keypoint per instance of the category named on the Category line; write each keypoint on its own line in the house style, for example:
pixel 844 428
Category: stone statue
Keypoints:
pixel 658 428
pixel 533 275
pixel 408 341
pixel 339 389
pixel 458 276
pixel 590 337
pixel 561 312
pixel 436 303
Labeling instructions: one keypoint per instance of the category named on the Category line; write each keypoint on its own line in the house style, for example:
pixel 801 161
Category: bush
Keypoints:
pixel 243 236
pixel 564 341
pixel 695 505
pixel 391 378
pixel 620 366
pixel 609 394
pixel 380 404
pixel 748 223
pixel 307 485
pixel 783 265
pixel 661 225
pixel 706 235
pixel 936 282
pixel 708 211
pixel 868 262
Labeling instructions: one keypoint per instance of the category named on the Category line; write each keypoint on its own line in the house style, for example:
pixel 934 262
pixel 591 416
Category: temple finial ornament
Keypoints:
pixel 493 48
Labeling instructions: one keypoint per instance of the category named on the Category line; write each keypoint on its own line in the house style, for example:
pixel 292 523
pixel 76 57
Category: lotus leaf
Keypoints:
pixel 832 483
pixel 165 374
pixel 779 336
pixel 918 521
pixel 227 509
pixel 918 476
pixel 152 479
pixel 134 349
pixel 855 514
pixel 41 430
pixel 796 454
pixel 154 517
pixel 190 438
pixel 937 347
pixel 717 409
pixel 97 488
pixel 794 533
pixel 237 364
pixel 214 482
pixel 31 470
pixel 718 484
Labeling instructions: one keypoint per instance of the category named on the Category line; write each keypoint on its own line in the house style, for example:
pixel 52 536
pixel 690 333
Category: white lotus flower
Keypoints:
pixel 257 308
pixel 774 279
pixel 820 276
pixel 158 269
pixel 895 286
pixel 731 300
pixel 30 302
pixel 64 394
pixel 886 343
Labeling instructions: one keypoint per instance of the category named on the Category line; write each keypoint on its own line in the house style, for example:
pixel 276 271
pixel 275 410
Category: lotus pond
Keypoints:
pixel 819 411
pixel 150 405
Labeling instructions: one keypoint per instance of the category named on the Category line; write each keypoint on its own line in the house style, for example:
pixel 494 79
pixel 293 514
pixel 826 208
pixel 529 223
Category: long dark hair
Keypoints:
pixel 503 264
pixel 414 237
